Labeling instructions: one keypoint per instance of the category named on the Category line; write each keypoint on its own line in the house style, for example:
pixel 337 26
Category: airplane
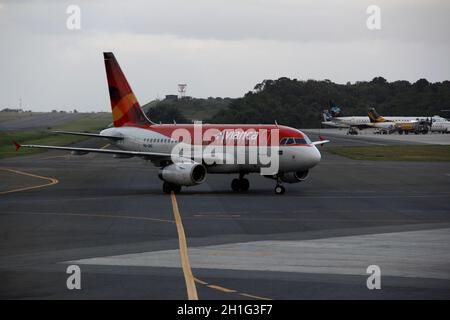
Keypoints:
pixel 409 124
pixel 440 124
pixel 135 135
pixel 403 119
pixel 336 119
pixel 391 124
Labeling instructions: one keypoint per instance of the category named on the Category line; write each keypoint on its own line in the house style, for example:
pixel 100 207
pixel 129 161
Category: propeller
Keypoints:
pixel 429 122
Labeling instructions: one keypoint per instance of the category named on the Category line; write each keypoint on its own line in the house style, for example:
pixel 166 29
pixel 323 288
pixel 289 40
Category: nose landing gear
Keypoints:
pixel 279 189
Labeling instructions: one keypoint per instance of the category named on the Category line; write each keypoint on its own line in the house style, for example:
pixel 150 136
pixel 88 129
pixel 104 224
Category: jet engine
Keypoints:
pixel 183 174
pixel 294 177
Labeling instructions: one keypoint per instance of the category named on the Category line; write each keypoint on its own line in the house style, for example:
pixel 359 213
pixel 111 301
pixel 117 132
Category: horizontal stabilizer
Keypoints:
pixel 16 144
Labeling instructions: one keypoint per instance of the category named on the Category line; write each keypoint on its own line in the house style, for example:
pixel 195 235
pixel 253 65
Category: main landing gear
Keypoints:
pixel 169 187
pixel 241 184
pixel 352 131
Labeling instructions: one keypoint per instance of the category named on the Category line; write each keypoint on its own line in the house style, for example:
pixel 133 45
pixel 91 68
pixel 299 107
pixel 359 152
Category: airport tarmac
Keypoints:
pixel 110 217
pixel 367 137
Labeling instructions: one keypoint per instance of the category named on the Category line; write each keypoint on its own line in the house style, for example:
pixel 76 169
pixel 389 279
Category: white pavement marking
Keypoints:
pixel 421 254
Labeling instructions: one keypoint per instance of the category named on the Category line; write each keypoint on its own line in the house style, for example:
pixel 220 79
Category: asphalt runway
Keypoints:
pixel 110 217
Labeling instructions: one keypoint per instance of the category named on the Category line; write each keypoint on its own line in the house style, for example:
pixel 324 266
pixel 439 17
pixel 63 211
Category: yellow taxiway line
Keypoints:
pixel 220 288
pixel 185 264
pixel 253 296
pixel 187 271
pixel 52 181
pixel 228 290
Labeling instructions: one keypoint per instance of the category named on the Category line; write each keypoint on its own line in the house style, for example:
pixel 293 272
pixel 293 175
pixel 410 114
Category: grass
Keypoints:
pixel 395 153
pixel 8 115
pixel 89 123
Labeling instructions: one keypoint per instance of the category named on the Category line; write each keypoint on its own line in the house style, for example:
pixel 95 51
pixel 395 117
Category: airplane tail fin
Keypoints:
pixel 124 105
pixel 332 104
pixel 326 115
pixel 335 111
pixel 374 116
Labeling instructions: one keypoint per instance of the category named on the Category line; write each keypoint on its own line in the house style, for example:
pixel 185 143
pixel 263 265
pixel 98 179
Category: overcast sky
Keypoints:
pixel 218 47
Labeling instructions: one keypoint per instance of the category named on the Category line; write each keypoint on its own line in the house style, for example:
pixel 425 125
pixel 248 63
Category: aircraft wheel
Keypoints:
pixel 245 184
pixel 235 185
pixel 279 189
pixel 176 188
pixel 166 187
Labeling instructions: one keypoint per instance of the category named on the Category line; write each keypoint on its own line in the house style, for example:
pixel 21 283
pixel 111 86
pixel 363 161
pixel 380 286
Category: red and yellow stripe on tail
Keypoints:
pixel 124 105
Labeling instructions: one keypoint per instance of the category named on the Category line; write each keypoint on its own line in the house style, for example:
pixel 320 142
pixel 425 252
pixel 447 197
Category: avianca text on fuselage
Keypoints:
pixel 186 153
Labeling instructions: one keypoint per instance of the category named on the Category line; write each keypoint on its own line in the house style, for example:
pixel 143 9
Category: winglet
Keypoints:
pixel 17 145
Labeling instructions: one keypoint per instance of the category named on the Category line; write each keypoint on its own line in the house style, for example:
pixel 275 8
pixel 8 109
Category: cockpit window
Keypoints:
pixel 308 141
pixel 289 141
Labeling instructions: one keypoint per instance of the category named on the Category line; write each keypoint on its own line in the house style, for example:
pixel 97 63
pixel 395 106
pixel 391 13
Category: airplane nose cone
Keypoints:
pixel 314 157
pixel 317 156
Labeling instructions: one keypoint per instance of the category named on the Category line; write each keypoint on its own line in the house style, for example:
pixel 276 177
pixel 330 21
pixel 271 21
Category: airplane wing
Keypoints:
pixel 334 124
pixel 317 143
pixel 87 134
pixel 81 151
